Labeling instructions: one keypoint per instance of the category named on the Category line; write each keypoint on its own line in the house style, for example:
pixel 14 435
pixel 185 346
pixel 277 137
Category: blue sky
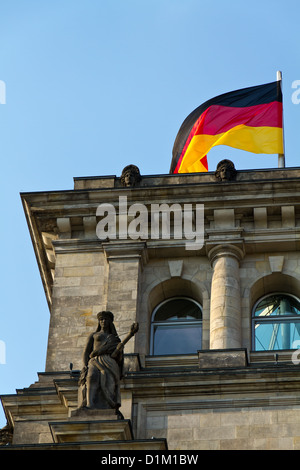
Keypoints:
pixel 94 85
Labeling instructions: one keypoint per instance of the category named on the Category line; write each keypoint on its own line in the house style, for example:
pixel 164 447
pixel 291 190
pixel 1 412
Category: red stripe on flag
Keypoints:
pixel 217 119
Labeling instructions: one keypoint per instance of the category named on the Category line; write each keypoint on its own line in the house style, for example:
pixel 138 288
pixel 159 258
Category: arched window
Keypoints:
pixel 276 323
pixel 176 327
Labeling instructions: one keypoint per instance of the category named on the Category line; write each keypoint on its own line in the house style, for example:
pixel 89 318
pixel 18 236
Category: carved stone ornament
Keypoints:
pixel 6 435
pixel 130 176
pixel 99 383
pixel 225 171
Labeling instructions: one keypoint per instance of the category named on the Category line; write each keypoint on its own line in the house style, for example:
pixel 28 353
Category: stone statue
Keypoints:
pixel 225 171
pixel 130 176
pixel 99 383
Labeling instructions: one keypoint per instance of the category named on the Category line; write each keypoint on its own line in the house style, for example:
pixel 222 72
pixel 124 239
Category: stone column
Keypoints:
pixel 225 308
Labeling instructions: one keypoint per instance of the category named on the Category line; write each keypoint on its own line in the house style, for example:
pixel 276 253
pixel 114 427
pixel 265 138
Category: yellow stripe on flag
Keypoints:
pixel 196 167
pixel 252 139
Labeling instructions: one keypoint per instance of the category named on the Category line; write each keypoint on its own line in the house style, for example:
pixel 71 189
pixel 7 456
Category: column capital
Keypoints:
pixel 215 252
pixel 126 250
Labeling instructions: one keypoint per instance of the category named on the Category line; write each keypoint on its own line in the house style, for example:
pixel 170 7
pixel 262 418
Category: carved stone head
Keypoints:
pixel 108 316
pixel 105 314
pixel 225 171
pixel 130 176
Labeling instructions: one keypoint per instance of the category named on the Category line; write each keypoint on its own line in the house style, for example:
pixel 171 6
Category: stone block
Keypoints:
pixel 222 358
pixel 175 267
pixel 89 224
pixel 88 429
pixel 64 226
pixel 79 271
pixel 260 217
pixel 224 218
pixel 131 363
pixel 276 263
pixel 288 216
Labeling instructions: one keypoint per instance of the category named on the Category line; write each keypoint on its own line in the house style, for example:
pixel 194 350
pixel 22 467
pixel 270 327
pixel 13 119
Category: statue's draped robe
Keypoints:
pixel 105 371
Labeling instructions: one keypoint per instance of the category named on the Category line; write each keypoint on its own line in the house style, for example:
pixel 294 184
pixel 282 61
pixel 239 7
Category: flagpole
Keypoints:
pixel 281 156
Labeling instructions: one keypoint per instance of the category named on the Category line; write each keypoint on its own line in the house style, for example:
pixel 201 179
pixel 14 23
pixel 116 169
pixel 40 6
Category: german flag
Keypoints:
pixel 248 119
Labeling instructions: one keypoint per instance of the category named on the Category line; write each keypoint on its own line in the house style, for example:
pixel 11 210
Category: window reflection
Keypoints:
pixel 276 323
pixel 176 327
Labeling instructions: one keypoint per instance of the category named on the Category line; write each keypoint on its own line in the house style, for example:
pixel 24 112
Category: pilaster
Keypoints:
pixel 125 260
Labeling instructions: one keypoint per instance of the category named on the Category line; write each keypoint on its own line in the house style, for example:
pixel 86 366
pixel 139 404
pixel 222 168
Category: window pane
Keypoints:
pixel 278 304
pixel 276 335
pixel 176 339
pixel 178 309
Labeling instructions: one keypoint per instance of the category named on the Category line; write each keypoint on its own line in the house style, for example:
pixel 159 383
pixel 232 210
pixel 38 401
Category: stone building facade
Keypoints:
pixel 227 386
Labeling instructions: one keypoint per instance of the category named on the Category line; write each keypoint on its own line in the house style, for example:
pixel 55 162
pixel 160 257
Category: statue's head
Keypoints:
pixel 225 171
pixel 110 318
pixel 130 176
pixel 105 314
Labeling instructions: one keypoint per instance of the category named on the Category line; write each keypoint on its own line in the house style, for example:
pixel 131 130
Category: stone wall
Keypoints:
pixel 231 429
pixel 78 295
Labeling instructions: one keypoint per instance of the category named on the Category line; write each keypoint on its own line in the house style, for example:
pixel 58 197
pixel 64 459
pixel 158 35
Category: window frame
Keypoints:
pixel 174 322
pixel 279 319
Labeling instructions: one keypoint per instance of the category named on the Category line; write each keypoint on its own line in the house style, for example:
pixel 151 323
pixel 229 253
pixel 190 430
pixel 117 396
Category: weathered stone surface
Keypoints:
pixel 211 359
pixel 252 242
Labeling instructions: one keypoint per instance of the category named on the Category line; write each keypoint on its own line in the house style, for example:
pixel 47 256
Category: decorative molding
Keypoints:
pixel 255 402
pixel 64 226
pixel 76 246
